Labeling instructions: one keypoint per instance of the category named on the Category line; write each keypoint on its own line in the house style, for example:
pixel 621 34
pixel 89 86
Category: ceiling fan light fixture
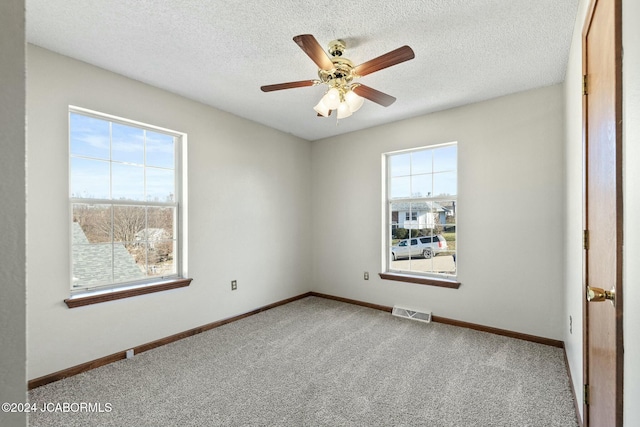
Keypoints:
pixel 322 109
pixel 353 100
pixel 344 110
pixel 332 98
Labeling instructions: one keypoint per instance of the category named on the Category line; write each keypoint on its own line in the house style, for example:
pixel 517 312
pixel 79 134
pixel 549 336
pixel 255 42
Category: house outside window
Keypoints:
pixel 420 220
pixel 125 200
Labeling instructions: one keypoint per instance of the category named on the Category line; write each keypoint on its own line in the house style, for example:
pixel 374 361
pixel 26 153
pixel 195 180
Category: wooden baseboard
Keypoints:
pixel 474 326
pixel 497 331
pixel 75 370
pixel 351 301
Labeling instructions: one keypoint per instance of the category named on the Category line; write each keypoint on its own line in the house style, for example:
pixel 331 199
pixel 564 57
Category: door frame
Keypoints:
pixel 619 212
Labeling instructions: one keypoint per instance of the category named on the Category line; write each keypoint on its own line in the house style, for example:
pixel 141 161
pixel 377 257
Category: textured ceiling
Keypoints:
pixel 220 52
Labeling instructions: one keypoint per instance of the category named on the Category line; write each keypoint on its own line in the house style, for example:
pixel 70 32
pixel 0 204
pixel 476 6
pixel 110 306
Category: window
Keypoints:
pixel 125 200
pixel 422 183
pixel 411 216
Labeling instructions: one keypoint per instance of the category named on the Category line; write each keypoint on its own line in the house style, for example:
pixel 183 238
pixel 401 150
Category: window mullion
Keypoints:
pixel 110 161
pixel 122 202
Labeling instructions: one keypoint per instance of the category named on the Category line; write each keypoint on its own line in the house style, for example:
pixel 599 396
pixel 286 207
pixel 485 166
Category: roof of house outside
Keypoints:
pixel 418 206
pixel 92 262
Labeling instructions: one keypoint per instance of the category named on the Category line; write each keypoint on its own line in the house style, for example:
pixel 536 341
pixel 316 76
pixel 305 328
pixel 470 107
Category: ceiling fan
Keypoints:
pixel 338 73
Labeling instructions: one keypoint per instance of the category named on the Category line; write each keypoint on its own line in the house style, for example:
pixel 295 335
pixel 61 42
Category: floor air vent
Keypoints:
pixel 421 316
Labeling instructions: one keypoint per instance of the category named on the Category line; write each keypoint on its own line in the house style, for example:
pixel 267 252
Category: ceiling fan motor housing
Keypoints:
pixel 341 75
pixel 337 47
pixel 342 72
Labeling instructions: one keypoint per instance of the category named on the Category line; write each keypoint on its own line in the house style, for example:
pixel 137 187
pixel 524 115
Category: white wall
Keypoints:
pixel 239 173
pixel 510 231
pixel 13 387
pixel 631 197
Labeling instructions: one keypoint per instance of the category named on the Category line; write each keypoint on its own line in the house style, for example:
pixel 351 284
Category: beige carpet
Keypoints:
pixel 318 362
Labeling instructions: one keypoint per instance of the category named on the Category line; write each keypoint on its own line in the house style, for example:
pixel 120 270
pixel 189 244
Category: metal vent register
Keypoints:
pixel 421 316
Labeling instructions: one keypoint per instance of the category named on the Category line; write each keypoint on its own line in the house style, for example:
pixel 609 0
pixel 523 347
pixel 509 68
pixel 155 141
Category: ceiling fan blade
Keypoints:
pixel 374 95
pixel 289 85
pixel 312 48
pixel 394 57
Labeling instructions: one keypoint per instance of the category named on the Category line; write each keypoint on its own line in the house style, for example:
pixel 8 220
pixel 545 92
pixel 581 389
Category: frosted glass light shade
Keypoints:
pixel 353 100
pixel 343 110
pixel 332 98
pixel 321 108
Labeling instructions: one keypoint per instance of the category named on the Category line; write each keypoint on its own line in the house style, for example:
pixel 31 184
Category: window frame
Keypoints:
pixel 411 276
pixel 115 290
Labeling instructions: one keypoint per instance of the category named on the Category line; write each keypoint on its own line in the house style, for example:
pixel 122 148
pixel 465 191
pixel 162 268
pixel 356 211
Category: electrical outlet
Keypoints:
pixel 366 275
pixel 129 353
pixel 234 285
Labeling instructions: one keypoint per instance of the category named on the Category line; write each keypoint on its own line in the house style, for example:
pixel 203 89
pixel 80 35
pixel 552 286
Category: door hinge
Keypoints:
pixel 585 240
pixel 586 394
pixel 584 84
